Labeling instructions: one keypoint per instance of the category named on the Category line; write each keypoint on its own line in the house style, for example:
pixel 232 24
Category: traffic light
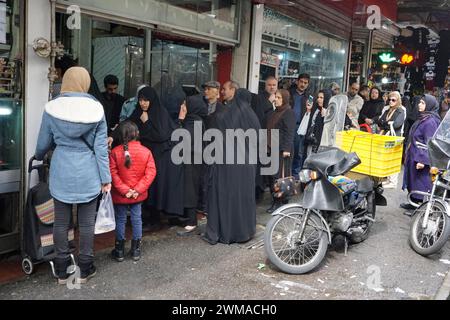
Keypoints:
pixel 407 59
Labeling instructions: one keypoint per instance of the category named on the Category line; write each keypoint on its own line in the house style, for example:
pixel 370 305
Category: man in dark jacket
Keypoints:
pixel 215 107
pixel 299 99
pixel 112 102
pixel 263 103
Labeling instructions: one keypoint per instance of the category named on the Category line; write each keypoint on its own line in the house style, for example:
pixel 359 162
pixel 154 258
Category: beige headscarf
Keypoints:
pixel 76 79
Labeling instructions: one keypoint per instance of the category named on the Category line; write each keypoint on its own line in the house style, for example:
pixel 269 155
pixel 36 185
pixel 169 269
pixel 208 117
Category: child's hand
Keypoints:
pixel 129 195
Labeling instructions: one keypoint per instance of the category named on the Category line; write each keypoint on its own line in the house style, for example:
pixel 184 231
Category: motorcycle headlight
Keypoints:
pixel 307 175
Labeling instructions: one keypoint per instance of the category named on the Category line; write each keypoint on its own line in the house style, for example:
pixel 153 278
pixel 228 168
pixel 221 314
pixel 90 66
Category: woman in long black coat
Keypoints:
pixel 231 204
pixel 193 112
pixel 282 119
pixel 155 131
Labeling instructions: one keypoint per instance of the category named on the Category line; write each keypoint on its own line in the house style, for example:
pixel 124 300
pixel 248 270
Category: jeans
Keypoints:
pixel 299 154
pixel 86 222
pixel 135 217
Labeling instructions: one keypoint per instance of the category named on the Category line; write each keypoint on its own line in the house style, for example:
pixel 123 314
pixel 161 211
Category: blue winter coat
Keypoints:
pixel 78 168
pixel 414 179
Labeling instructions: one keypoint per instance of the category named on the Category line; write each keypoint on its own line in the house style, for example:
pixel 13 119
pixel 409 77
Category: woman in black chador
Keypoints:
pixel 155 130
pixel 193 112
pixel 231 204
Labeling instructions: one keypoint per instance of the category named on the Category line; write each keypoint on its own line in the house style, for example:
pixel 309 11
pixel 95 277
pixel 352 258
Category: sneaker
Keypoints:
pixel 63 281
pixel 85 276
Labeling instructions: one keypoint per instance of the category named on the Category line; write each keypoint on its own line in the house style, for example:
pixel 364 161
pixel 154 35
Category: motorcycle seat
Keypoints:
pixel 364 185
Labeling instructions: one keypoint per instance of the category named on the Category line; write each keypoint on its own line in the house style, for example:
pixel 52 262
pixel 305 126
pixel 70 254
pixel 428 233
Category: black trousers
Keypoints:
pixel 86 223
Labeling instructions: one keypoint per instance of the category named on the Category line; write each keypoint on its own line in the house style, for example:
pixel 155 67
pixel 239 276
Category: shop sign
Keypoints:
pixel 268 59
pixel 387 57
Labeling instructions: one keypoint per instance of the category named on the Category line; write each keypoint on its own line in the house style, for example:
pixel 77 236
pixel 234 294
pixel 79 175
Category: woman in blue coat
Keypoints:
pixel 417 162
pixel 74 126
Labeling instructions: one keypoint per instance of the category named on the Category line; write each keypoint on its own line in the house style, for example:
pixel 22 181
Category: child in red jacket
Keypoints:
pixel 133 171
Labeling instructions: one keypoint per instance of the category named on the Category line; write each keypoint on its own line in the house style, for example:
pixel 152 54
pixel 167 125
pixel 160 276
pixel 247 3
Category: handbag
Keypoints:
pixel 285 186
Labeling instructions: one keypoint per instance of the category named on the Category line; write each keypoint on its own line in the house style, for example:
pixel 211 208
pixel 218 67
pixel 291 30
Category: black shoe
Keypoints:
pixel 88 271
pixel 275 205
pixel 204 237
pixel 135 251
pixel 119 251
pixel 407 206
pixel 184 232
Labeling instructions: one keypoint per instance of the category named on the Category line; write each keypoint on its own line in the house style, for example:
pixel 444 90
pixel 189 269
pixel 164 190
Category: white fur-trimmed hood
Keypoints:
pixel 75 109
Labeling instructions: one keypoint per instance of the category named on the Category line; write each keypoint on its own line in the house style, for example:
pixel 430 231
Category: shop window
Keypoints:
pixel 106 48
pixel 177 64
pixel 11 121
pixel 301 50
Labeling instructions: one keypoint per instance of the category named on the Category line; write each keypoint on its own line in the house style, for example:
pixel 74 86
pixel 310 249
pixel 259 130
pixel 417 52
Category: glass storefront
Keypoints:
pixel 122 50
pixel 217 19
pixel 11 121
pixel 300 50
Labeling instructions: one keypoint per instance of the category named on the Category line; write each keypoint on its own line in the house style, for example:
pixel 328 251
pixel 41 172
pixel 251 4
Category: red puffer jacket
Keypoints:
pixel 138 177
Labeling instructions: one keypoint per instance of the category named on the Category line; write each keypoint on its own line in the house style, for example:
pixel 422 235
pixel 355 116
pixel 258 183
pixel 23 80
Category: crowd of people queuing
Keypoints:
pixel 102 142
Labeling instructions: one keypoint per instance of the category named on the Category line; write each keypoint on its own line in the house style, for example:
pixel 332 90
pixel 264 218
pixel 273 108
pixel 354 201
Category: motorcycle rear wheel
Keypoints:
pixel 283 247
pixel 431 239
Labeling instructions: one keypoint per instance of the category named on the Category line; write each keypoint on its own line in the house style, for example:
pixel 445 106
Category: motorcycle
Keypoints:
pixel 297 237
pixel 430 227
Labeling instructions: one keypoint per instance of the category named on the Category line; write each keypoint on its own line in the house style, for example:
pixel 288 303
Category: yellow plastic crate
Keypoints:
pixel 381 156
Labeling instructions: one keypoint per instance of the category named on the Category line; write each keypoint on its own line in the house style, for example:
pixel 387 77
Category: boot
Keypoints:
pixel 119 251
pixel 276 203
pixel 61 266
pixel 135 251
pixel 88 270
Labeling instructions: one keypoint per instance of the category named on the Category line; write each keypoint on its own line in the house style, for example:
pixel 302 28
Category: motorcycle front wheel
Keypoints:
pixel 431 239
pixel 284 247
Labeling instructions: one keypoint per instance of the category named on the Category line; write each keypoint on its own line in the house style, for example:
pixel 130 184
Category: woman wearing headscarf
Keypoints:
pixel 372 108
pixel 74 125
pixel 417 162
pixel 193 112
pixel 282 119
pixel 155 130
pixel 231 204
pixel 315 130
pixel 130 105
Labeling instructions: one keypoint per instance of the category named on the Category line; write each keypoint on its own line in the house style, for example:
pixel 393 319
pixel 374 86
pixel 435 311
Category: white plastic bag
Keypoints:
pixel 106 221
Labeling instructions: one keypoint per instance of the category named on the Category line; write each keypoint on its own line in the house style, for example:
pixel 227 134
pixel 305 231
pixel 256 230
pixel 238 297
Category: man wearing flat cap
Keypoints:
pixel 212 95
